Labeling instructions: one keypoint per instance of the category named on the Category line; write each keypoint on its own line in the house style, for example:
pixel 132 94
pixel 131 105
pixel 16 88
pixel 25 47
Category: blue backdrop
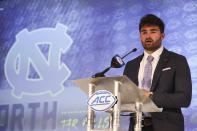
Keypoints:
pixel 44 44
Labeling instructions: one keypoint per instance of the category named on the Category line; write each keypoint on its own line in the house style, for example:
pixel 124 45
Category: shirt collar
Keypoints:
pixel 155 54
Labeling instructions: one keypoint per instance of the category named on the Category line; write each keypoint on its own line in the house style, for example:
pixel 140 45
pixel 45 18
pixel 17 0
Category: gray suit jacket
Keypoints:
pixel 171 87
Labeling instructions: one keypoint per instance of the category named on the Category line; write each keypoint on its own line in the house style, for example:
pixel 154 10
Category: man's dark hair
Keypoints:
pixel 151 19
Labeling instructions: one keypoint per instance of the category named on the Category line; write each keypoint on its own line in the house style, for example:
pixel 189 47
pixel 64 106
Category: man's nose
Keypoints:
pixel 147 35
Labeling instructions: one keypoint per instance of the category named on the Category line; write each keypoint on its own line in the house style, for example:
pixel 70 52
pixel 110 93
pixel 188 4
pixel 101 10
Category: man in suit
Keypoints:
pixel 162 75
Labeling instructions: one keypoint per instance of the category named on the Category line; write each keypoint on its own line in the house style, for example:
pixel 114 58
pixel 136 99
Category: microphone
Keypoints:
pixel 116 62
pixel 134 50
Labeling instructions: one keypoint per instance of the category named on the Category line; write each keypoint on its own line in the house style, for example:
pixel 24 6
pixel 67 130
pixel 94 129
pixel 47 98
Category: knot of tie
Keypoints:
pixel 150 58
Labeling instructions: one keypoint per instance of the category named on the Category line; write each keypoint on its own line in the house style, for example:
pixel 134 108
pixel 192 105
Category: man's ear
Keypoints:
pixel 162 36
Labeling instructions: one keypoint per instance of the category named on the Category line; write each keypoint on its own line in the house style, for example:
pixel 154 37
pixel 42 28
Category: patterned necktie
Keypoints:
pixel 146 82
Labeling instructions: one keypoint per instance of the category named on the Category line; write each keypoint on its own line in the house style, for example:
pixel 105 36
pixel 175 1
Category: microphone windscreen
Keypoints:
pixel 135 49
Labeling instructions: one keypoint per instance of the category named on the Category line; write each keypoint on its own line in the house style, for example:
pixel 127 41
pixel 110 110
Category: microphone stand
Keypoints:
pixel 114 64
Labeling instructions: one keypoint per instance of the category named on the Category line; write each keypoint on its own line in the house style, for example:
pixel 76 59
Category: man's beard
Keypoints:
pixel 154 46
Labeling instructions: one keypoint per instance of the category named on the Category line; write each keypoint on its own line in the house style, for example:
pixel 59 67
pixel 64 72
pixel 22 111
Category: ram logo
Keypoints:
pixel 101 100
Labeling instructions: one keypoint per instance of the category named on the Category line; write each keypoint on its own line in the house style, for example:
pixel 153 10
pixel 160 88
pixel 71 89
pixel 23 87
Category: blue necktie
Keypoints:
pixel 146 82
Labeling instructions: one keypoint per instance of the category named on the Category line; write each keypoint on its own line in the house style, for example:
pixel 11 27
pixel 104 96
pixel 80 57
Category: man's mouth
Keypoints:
pixel 148 41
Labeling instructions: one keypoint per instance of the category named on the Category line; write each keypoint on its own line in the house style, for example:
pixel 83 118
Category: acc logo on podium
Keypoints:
pixel 101 100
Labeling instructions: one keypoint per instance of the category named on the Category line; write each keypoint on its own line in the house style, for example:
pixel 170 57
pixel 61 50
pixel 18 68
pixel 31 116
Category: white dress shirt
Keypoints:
pixel 156 56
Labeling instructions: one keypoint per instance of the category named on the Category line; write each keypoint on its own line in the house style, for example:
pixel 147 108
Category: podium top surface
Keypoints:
pixel 129 92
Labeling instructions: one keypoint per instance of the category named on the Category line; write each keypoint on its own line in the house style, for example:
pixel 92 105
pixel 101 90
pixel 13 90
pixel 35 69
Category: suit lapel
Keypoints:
pixel 161 64
pixel 136 69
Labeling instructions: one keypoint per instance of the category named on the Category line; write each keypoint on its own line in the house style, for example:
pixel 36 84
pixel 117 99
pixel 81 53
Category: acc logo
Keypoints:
pixel 101 100
pixel 33 70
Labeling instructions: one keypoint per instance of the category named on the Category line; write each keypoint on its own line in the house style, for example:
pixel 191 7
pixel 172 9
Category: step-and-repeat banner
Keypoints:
pixel 44 44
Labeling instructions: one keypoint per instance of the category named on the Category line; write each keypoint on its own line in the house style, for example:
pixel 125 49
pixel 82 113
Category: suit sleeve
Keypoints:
pixel 182 88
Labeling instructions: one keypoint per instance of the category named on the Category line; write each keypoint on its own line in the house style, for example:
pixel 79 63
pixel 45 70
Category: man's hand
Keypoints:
pixel 147 93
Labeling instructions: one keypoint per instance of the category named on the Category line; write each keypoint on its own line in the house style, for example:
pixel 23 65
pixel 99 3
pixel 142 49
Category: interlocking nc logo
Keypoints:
pixel 26 55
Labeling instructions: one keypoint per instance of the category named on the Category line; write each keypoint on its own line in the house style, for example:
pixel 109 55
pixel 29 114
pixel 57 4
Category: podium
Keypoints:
pixel 129 99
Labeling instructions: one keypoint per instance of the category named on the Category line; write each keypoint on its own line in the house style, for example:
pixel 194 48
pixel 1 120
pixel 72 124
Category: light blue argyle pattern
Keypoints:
pixel 146 82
